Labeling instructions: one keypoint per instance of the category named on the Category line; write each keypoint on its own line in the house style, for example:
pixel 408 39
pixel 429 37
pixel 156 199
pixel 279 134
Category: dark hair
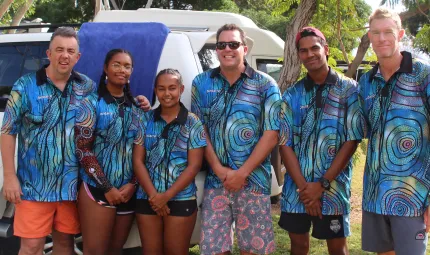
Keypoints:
pixel 306 33
pixel 102 83
pixel 169 71
pixel 64 32
pixel 231 27
pixel 166 71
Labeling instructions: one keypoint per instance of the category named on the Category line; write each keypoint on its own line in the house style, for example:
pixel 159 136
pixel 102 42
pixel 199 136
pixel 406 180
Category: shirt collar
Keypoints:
pixel 331 79
pixel 249 71
pixel 109 99
pixel 42 78
pixel 180 119
pixel 405 66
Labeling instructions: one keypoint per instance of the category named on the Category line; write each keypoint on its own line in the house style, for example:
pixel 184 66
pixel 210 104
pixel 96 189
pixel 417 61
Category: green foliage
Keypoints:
pixel 354 15
pixel 279 7
pixel 422 40
pixel 62 11
pixel 16 4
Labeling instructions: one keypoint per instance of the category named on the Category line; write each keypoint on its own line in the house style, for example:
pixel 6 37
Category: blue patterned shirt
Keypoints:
pixel 236 117
pixel 105 133
pixel 317 120
pixel 43 117
pixel 167 147
pixel 397 172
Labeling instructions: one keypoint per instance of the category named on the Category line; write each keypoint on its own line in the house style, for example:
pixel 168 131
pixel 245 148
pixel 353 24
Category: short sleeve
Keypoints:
pixel 12 118
pixel 197 134
pixel 355 121
pixel 139 139
pixel 196 99
pixel 86 113
pixel 272 106
pixel 285 125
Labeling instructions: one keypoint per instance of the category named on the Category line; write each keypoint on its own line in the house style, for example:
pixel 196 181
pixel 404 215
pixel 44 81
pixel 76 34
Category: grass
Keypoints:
pixel 319 247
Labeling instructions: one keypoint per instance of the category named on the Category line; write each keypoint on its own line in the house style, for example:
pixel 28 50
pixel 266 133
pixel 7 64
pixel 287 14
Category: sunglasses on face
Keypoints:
pixel 231 45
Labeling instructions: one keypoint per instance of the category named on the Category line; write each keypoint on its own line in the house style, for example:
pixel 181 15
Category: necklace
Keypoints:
pixel 119 104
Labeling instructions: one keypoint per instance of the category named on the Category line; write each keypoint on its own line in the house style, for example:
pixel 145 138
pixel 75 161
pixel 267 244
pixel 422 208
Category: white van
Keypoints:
pixel 189 49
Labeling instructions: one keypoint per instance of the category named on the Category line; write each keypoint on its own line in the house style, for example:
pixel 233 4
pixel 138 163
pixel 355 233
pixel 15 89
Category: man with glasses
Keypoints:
pixel 240 110
pixel 396 94
pixel 321 125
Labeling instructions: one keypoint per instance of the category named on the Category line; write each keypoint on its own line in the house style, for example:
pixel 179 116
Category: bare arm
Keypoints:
pixel 195 158
pixel 11 187
pixel 291 163
pixel 213 161
pixel 235 180
pixel 141 172
pixel 313 192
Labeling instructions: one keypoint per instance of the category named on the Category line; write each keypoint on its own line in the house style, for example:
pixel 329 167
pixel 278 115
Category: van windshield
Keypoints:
pixel 272 67
pixel 17 59
pixel 208 57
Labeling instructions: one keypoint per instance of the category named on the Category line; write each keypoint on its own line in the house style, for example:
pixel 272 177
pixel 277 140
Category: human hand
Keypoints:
pixel 144 103
pixel 311 193
pixel 235 180
pixel 314 209
pixel 158 201
pixel 127 191
pixel 114 197
pixel 12 189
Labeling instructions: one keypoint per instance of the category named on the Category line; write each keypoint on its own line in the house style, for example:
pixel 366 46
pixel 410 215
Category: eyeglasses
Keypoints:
pixel 231 45
pixel 118 68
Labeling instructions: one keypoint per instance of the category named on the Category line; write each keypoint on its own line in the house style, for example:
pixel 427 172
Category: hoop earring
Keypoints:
pixel 106 77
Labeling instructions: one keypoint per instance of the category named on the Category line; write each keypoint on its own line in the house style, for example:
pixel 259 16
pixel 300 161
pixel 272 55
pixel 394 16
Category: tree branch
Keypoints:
pixel 339 36
pixel 19 15
pixel 291 69
pixel 361 52
pixel 422 12
pixel 4 6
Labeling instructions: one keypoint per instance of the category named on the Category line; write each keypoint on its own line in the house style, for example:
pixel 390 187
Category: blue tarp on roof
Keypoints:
pixel 145 41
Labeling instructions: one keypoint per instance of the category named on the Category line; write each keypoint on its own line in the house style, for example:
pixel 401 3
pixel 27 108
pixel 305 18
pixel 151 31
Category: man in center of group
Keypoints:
pixel 239 108
pixel 321 125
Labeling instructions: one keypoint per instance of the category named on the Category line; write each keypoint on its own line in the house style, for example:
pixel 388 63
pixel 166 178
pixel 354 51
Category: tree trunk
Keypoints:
pixel 4 6
pixel 339 35
pixel 291 69
pixel 148 4
pixel 362 49
pixel 19 15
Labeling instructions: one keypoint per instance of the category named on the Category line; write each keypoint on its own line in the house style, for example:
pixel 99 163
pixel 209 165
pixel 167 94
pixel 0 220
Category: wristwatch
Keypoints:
pixel 325 183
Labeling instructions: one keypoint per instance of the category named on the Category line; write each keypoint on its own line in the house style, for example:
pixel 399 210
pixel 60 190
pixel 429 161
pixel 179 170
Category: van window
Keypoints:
pixel 208 57
pixel 270 66
pixel 17 59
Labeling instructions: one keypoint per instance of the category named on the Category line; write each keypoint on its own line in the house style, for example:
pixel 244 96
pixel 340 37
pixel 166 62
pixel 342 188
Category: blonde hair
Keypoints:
pixel 383 13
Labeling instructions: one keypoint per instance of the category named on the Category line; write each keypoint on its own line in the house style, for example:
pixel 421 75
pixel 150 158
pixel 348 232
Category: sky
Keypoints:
pixel 375 4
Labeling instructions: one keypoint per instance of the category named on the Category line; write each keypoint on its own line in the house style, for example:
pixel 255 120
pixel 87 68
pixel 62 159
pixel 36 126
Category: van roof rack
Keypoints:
pixel 51 26
pixel 188 29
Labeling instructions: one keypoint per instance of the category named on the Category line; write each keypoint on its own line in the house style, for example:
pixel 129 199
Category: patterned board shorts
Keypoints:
pixel 248 210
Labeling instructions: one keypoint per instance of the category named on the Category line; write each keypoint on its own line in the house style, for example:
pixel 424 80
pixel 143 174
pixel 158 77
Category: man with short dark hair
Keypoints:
pixel 321 125
pixel 41 111
pixel 239 107
pixel 396 95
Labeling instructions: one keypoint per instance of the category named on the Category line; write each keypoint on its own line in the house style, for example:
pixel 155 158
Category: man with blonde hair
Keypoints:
pixel 396 104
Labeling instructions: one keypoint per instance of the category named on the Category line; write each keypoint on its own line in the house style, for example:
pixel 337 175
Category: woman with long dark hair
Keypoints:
pixel 107 126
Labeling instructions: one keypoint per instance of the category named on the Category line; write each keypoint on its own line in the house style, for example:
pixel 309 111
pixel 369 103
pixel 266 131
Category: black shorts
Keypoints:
pixel 329 227
pixel 98 196
pixel 182 208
